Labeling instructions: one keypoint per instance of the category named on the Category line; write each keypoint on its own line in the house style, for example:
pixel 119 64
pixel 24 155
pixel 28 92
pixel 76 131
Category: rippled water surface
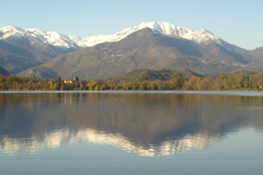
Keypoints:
pixel 131 133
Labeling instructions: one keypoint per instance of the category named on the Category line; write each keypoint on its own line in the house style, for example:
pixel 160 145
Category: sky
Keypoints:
pixel 238 22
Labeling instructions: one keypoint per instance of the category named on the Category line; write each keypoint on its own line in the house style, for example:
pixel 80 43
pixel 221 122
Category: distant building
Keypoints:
pixel 68 81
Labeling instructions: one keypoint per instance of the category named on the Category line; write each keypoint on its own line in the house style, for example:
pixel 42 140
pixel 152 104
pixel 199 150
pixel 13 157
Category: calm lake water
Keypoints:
pixel 131 133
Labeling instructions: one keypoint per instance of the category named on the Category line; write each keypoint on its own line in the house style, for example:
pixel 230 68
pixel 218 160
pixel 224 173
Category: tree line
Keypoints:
pixel 223 82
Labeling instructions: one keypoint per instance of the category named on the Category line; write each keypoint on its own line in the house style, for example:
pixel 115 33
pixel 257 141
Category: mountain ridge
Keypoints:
pixel 201 51
pixel 202 36
pixel 147 49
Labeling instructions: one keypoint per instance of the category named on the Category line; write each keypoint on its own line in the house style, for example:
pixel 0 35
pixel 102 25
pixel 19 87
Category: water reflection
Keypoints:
pixel 148 124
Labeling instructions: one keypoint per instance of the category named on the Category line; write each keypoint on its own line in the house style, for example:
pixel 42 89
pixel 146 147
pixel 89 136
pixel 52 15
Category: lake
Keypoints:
pixel 132 132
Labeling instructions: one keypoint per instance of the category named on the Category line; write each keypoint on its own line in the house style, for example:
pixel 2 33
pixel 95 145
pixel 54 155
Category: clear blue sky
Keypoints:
pixel 239 22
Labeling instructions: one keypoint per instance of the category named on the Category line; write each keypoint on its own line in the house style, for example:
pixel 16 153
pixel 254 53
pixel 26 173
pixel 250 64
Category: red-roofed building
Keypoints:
pixel 68 81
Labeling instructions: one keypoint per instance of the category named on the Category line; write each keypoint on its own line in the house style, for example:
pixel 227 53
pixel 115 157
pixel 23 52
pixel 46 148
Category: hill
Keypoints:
pixel 3 71
pixel 257 52
pixel 148 74
pixel 236 73
pixel 38 72
pixel 19 55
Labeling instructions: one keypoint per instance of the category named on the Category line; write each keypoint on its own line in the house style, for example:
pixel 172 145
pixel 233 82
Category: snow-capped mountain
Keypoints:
pixel 25 48
pixel 53 38
pixel 201 37
pixel 59 40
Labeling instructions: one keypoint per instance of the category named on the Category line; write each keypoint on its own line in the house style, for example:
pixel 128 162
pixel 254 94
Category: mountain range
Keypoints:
pixel 153 45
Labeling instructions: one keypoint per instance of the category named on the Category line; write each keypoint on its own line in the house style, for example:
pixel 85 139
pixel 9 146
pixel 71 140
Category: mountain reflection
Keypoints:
pixel 148 124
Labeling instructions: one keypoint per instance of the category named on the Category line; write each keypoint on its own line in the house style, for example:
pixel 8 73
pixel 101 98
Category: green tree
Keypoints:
pixel 59 79
pixel 76 78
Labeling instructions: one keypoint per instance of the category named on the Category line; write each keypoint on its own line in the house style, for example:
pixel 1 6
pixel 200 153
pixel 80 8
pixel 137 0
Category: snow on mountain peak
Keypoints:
pixel 202 36
pixel 167 28
pixel 204 31
pixel 11 31
pixel 52 38
pixel 161 27
pixel 36 31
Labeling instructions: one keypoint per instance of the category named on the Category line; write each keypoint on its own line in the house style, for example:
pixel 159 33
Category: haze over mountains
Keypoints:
pixel 152 45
